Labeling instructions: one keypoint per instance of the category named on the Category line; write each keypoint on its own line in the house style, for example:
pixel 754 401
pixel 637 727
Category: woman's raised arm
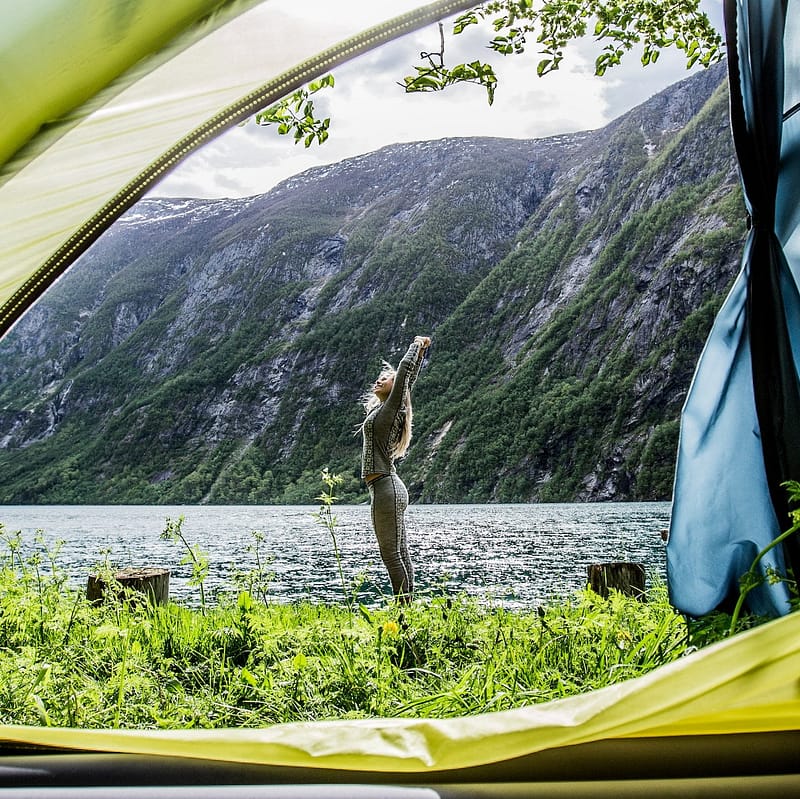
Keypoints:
pixel 407 371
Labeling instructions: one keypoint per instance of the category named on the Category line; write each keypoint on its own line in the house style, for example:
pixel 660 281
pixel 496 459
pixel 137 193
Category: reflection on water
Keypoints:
pixel 517 555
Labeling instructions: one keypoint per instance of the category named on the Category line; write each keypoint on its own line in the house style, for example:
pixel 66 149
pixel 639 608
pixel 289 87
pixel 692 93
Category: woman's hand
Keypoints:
pixel 423 341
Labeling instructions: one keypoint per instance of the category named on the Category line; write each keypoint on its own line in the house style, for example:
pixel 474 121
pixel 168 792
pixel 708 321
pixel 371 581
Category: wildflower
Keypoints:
pixel 390 628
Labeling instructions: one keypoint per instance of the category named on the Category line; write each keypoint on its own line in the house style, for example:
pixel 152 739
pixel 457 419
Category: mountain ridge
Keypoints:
pixel 214 351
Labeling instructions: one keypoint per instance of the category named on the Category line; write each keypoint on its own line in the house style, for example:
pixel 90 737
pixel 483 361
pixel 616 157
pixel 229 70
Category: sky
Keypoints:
pixel 369 110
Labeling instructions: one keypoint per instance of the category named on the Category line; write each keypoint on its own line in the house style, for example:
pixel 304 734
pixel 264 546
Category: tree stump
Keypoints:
pixel 153 584
pixel 627 578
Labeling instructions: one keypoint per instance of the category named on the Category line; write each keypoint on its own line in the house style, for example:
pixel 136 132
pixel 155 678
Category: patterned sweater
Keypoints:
pixel 384 423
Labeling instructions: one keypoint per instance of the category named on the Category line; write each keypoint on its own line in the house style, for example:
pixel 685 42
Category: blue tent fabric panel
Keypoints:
pixel 722 515
pixel 740 428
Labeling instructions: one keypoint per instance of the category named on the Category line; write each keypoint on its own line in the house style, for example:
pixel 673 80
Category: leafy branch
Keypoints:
pixel 552 24
pixel 326 518
pixel 194 556
pixel 295 114
pixel 434 76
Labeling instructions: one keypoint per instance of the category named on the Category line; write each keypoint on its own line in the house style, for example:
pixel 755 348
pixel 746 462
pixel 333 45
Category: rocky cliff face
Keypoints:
pixel 215 350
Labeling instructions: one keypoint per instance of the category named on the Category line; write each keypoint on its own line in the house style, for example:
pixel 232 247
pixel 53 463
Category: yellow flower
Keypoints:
pixel 390 628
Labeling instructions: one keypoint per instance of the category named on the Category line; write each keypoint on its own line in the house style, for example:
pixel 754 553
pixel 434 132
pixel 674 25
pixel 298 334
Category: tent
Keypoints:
pixel 99 100
pixel 740 431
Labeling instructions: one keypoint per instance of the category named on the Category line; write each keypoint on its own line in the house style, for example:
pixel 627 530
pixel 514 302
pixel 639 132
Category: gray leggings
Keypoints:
pixel 389 499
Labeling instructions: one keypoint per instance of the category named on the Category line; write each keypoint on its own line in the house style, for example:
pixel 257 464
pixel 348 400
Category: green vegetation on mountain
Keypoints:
pixel 215 351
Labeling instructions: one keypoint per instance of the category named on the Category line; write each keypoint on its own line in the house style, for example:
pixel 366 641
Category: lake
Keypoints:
pixel 514 555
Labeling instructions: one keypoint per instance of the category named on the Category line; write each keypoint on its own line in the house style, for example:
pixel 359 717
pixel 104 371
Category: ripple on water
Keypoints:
pixel 517 555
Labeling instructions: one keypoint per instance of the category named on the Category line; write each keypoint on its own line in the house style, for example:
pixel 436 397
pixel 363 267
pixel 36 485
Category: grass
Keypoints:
pixel 242 662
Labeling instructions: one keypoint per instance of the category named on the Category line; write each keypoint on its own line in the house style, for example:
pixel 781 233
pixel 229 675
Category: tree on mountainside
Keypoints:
pixel 550 25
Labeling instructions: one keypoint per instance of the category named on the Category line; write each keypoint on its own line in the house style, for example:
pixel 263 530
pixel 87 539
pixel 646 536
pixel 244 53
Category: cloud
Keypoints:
pixel 370 110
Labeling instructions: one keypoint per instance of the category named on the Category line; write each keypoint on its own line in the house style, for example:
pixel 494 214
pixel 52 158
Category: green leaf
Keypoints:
pixel 248 677
pixel 299 661
pixel 41 710
pixel 245 601
pixel 470 18
pixel 424 83
pixel 109 631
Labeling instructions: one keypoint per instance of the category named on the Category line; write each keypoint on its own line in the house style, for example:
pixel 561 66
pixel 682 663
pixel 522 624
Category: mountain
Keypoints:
pixel 215 351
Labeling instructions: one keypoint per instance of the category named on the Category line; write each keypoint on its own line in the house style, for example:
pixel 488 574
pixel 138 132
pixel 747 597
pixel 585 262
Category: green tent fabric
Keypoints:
pixel 50 69
pixel 110 116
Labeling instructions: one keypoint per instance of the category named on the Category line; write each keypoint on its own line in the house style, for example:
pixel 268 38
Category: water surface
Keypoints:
pixel 515 555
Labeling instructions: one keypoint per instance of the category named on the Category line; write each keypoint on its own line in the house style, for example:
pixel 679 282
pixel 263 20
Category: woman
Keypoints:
pixel 386 434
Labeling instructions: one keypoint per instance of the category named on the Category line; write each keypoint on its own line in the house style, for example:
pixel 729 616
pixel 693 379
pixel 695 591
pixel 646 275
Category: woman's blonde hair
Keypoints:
pixel 370 401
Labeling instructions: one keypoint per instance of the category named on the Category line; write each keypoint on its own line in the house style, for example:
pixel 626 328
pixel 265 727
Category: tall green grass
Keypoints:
pixel 242 662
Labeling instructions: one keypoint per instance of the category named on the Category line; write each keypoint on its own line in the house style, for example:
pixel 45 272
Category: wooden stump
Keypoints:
pixel 627 578
pixel 150 583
